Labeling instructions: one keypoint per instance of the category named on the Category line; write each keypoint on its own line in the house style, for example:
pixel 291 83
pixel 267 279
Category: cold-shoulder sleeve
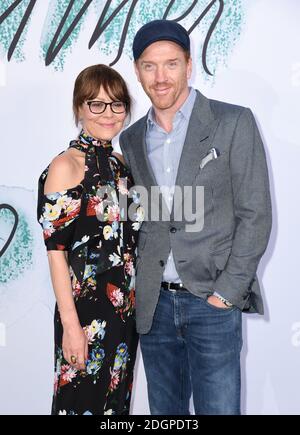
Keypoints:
pixel 58 213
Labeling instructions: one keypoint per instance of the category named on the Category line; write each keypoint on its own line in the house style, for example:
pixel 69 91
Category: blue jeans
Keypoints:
pixel 192 348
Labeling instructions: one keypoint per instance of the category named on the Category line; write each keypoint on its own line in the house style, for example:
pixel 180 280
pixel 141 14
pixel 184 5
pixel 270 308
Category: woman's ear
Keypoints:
pixel 80 115
pixel 80 120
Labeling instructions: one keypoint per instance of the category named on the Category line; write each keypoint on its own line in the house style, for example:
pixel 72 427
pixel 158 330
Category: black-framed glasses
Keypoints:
pixel 98 107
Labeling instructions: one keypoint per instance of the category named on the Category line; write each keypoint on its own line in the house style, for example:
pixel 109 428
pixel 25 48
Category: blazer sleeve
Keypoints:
pixel 252 209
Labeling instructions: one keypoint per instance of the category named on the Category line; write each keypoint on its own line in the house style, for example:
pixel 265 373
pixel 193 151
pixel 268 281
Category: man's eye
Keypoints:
pixel 148 67
pixel 172 64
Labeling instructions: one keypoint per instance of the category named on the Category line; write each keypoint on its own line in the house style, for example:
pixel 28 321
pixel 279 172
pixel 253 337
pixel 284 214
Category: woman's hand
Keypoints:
pixel 75 344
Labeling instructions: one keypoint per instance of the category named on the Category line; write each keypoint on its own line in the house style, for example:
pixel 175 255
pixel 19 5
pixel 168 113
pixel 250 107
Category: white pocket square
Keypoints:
pixel 212 154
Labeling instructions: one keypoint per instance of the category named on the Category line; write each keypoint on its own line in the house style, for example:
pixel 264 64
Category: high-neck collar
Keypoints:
pixel 86 143
pixel 85 139
pixel 97 156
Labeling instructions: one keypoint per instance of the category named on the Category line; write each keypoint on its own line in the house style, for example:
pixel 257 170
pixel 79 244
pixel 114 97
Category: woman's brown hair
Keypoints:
pixel 89 82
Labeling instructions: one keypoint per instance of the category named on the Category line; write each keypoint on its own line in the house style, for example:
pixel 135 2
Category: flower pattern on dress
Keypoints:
pixel 89 222
pixel 59 212
pixel 65 373
pixel 118 371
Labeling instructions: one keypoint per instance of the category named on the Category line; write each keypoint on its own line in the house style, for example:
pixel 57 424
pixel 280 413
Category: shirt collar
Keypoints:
pixel 187 107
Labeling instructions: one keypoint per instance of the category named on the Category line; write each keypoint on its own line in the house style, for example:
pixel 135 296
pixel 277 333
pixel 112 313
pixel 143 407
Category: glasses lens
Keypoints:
pixel 118 107
pixel 97 107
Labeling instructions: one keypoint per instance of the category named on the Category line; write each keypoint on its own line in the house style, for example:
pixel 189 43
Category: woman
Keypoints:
pixel 91 252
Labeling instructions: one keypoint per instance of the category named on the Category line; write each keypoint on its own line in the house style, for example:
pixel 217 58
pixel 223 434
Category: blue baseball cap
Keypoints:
pixel 159 30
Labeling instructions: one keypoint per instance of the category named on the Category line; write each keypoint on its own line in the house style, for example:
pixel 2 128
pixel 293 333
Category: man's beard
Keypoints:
pixel 162 101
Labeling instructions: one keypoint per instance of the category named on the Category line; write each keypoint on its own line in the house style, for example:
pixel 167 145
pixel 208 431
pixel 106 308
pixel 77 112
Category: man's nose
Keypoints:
pixel 160 74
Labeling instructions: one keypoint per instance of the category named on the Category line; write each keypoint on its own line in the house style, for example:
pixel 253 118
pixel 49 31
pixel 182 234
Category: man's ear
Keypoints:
pixel 136 69
pixel 189 68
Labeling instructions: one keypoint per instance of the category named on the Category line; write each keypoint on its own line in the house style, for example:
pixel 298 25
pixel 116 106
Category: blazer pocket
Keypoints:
pixel 220 259
pixel 212 168
pixel 222 245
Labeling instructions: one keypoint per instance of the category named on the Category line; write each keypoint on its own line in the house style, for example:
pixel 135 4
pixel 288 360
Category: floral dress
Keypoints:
pixel 90 222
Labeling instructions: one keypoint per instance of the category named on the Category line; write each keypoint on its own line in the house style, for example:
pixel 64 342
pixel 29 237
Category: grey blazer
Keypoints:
pixel 224 255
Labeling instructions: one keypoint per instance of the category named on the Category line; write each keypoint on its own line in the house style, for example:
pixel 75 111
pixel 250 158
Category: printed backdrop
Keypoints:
pixel 245 52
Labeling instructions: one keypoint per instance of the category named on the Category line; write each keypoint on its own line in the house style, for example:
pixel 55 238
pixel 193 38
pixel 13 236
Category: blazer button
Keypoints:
pixel 173 230
pixel 162 263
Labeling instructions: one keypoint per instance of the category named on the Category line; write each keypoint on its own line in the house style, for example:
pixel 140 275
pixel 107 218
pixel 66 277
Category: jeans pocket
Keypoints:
pixel 219 309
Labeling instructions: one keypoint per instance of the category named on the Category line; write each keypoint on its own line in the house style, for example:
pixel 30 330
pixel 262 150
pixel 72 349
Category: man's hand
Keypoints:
pixel 213 300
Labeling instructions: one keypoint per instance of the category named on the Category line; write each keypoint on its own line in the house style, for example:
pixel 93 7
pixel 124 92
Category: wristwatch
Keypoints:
pixel 225 301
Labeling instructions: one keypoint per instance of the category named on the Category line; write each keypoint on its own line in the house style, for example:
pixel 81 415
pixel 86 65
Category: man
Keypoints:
pixel 192 286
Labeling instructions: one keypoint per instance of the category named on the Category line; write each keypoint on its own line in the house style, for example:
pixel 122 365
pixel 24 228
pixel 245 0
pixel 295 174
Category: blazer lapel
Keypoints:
pixel 146 171
pixel 141 156
pixel 201 129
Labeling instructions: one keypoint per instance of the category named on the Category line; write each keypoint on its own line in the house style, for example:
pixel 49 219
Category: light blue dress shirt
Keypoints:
pixel 164 152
